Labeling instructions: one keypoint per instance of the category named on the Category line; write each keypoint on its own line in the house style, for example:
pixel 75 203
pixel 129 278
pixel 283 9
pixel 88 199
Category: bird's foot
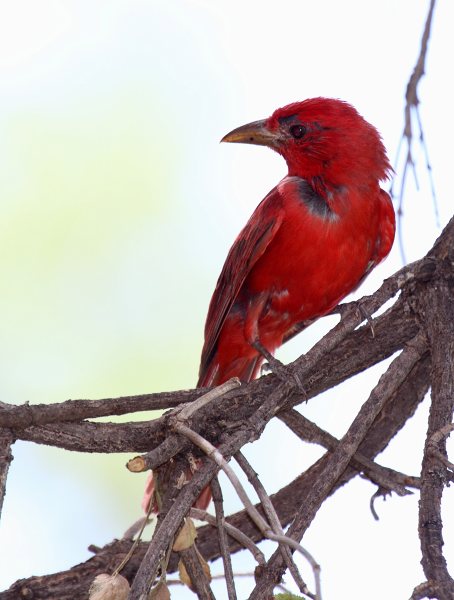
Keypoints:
pixel 278 368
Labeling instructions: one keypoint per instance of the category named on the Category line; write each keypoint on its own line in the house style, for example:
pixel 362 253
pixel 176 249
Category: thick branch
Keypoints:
pixel 392 330
pixel 88 436
pixel 436 311
pixel 6 456
pixel 27 415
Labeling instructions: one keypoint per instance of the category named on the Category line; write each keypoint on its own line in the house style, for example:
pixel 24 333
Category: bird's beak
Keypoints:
pixel 252 133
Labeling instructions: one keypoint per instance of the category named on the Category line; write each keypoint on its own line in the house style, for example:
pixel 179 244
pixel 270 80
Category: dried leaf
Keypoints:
pixel 205 567
pixel 109 587
pixel 185 539
pixel 160 592
pixel 184 576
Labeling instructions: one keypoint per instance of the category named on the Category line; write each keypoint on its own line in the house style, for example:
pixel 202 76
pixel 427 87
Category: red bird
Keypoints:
pixel 309 243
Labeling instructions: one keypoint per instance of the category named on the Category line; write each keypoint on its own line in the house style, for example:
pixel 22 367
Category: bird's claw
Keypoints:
pixel 278 368
pixel 356 305
pixel 363 312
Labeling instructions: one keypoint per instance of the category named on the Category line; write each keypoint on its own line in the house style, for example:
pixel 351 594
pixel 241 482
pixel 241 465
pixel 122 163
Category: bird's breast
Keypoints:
pixel 319 254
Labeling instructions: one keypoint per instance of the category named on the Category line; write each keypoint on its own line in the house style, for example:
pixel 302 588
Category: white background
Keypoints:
pixel 110 116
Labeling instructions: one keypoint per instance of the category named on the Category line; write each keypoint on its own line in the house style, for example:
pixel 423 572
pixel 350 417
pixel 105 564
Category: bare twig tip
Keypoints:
pixel 136 465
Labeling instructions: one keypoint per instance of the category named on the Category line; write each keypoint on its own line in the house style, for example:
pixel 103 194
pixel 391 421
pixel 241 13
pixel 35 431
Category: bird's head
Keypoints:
pixel 321 139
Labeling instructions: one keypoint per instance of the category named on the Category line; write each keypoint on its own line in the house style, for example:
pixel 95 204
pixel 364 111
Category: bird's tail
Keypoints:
pixel 246 367
pixel 202 501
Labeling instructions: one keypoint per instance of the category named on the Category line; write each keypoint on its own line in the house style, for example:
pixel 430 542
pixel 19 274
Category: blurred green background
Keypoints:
pixel 118 206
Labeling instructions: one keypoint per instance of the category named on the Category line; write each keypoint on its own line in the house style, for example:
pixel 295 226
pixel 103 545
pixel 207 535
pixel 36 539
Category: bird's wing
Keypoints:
pixel 387 228
pixel 248 247
pixel 386 232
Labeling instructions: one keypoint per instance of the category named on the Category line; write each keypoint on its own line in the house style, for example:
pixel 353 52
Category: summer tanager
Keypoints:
pixel 310 242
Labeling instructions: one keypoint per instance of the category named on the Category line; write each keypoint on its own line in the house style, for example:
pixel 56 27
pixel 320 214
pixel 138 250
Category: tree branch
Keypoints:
pixel 6 456
pixel 336 462
pixel 225 552
pixel 384 477
pixel 435 309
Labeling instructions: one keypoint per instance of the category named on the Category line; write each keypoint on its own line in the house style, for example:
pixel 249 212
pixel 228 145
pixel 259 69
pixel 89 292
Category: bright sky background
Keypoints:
pixel 118 206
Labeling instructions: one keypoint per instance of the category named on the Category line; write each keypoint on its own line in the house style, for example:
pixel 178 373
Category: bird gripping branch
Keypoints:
pixel 310 242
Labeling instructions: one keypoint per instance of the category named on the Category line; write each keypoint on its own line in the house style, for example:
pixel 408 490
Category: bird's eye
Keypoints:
pixel 297 131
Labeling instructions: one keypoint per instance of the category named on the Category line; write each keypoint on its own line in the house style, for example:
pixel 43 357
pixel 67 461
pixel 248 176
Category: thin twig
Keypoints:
pixel 425 149
pixel 213 453
pixel 412 105
pixel 234 532
pixel 26 415
pixel 183 413
pixel 222 576
pixel 225 553
pixel 134 529
pixel 433 442
pixel 273 518
pixel 217 457
pixel 383 476
pixel 441 434
pixel 134 545
pixel 428 589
